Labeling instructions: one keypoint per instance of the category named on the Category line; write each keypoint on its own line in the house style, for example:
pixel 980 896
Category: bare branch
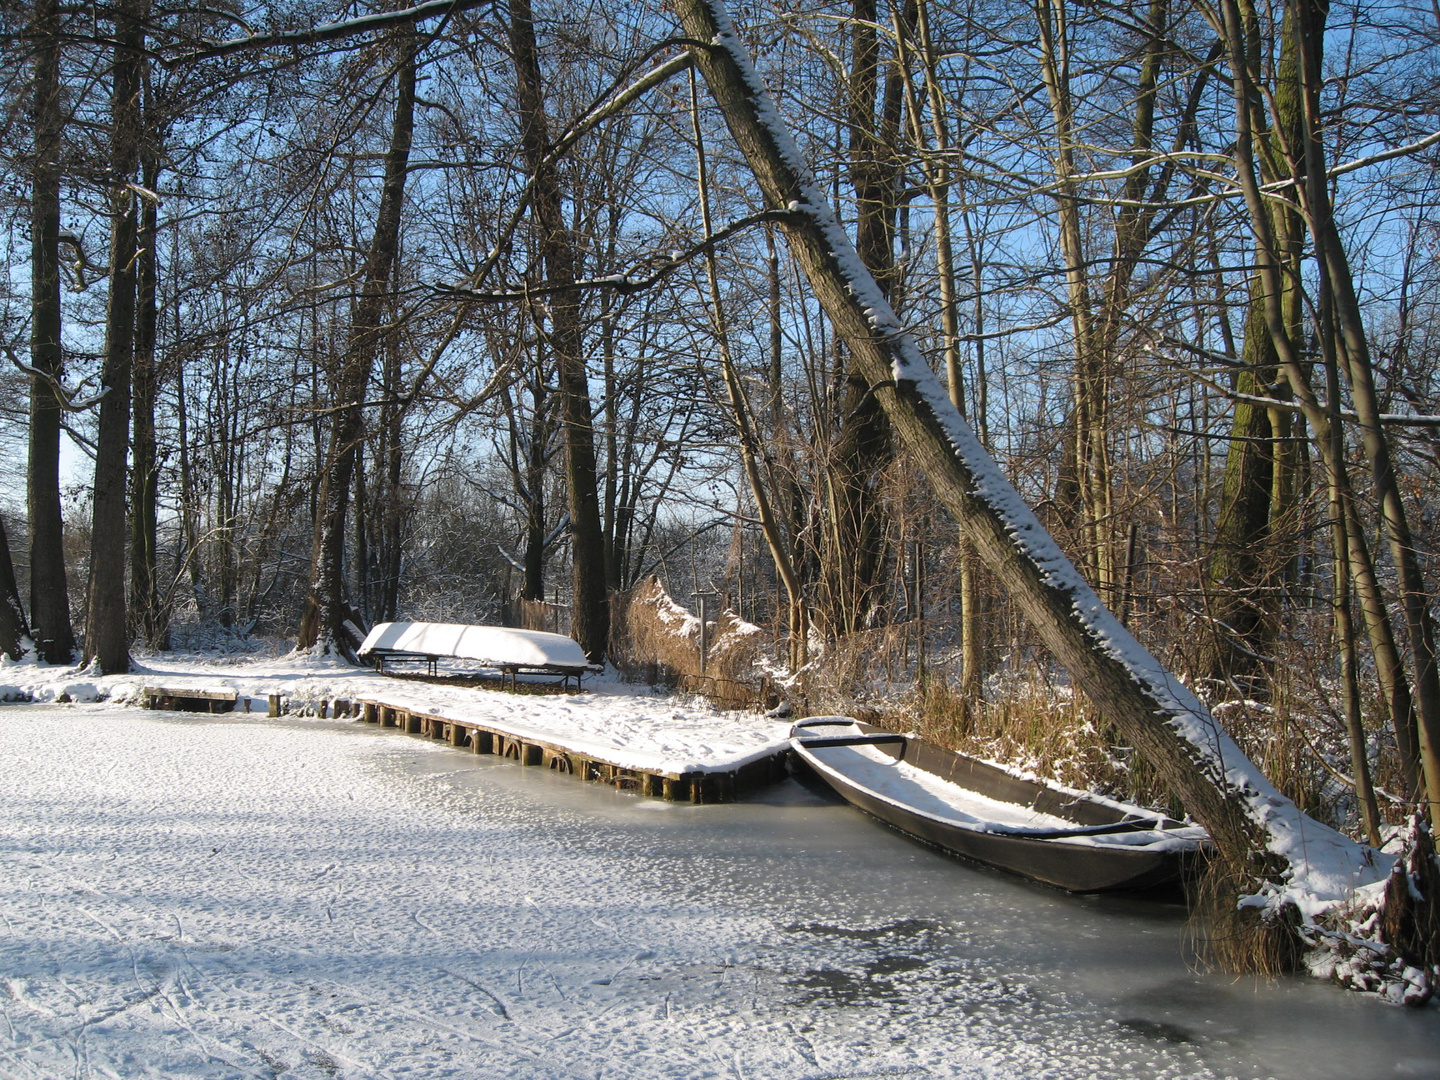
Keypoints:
pixel 62 395
pixel 330 31
pixel 656 269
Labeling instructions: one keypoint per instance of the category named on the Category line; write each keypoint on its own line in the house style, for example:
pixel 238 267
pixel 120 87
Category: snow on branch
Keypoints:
pixel 63 396
pixel 651 271
pixel 331 31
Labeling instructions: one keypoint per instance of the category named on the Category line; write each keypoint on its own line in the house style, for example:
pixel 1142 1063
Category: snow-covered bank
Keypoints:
pixel 620 723
pixel 221 896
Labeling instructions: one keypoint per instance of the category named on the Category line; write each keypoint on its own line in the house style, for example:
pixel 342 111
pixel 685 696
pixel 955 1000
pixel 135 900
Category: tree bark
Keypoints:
pixel 589 619
pixel 1090 416
pixel 1370 818
pixel 49 593
pixel 855 562
pixel 938 180
pixel 326 622
pixel 107 627
pixel 1251 822
pixel 393 503
pixel 741 414
pixel 13 630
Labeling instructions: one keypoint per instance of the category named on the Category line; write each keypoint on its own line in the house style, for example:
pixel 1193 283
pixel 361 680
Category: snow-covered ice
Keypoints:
pixel 230 896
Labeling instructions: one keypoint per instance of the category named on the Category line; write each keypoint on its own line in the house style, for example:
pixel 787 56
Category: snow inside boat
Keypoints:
pixel 1079 842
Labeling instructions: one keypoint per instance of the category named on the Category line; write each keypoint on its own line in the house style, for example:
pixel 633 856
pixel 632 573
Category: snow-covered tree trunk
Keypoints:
pixel 1279 852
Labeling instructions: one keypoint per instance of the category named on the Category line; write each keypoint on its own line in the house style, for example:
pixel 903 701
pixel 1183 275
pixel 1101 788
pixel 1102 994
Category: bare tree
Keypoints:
pixel 49 594
pixel 327 621
pixel 1250 821
pixel 590 621
pixel 107 626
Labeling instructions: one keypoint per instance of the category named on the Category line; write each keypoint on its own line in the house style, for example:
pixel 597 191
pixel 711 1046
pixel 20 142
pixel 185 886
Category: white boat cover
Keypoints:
pixel 497 645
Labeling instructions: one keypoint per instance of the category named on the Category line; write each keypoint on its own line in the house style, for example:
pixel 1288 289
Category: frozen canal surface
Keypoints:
pixel 208 897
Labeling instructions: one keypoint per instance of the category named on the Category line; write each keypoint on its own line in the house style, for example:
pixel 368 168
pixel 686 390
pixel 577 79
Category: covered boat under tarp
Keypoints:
pixel 1079 842
pixel 505 649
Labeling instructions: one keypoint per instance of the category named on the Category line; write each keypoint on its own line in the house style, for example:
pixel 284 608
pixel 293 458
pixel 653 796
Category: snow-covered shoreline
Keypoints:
pixel 622 724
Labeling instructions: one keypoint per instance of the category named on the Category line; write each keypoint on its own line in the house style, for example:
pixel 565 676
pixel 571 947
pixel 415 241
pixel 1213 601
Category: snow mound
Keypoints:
pixel 483 644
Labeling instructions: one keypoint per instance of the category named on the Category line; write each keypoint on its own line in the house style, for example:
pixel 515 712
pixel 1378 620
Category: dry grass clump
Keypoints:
pixel 1051 730
pixel 653 635
pixel 861 673
pixel 1277 742
pixel 1033 719
pixel 738 649
pixel 1249 939
pixel 657 639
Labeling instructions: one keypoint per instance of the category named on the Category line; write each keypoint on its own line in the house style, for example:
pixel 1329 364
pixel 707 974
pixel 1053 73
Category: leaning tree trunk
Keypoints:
pixel 326 621
pixel 589 618
pixel 1260 833
pixel 49 595
pixel 107 629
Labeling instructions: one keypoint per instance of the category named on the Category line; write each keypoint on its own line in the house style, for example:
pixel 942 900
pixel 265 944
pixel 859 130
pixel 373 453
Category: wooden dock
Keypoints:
pixel 190 699
pixel 708 786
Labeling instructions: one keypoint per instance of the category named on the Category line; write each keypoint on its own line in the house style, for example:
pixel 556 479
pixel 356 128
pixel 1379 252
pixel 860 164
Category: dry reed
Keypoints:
pixel 655 638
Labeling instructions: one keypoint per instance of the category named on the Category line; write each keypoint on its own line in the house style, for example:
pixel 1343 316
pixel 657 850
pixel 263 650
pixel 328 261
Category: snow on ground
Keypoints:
pixel 196 896
pixel 617 722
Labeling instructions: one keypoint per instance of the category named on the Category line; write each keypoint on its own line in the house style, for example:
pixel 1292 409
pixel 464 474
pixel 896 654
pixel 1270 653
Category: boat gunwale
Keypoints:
pixel 1158 823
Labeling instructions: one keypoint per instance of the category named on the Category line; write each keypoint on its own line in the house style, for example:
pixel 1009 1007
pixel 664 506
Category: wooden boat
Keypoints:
pixel 1079 842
